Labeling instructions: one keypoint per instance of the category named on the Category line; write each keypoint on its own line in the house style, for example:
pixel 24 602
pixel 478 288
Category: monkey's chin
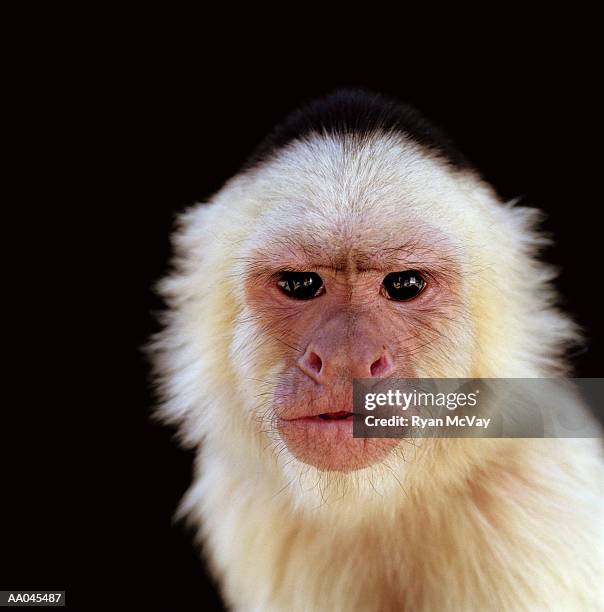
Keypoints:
pixel 329 446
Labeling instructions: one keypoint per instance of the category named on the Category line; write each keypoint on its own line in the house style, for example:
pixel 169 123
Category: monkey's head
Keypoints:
pixel 357 243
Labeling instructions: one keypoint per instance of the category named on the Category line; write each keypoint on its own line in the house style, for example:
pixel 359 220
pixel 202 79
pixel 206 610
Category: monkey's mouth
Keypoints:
pixel 335 416
pixel 326 441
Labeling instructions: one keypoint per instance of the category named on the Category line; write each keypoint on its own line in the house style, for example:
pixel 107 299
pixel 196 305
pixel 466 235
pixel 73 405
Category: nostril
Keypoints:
pixel 314 363
pixel 380 366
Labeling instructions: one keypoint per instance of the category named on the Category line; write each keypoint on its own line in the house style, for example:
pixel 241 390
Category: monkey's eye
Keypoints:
pixel 403 286
pixel 301 285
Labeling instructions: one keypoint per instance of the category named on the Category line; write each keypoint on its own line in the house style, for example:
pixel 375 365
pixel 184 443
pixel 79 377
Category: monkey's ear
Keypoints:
pixel 188 354
pixel 178 377
pixel 191 241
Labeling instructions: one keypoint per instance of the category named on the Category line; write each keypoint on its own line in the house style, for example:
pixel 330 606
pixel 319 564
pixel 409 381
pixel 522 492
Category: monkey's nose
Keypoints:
pixel 323 368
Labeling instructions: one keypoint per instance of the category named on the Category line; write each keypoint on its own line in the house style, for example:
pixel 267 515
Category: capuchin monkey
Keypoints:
pixel 358 243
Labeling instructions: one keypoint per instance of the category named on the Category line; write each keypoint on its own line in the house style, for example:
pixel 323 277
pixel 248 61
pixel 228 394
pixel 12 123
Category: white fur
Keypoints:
pixel 443 525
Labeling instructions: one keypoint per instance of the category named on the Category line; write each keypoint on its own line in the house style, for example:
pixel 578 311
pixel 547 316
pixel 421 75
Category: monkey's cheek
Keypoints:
pixel 329 445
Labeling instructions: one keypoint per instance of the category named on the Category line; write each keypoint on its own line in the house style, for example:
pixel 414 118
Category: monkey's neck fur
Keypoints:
pixel 476 538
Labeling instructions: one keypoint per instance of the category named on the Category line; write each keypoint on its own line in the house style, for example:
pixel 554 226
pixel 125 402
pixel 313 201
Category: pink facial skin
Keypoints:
pixel 352 330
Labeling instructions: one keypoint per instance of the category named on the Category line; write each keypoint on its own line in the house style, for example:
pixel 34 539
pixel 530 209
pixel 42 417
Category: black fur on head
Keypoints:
pixel 352 111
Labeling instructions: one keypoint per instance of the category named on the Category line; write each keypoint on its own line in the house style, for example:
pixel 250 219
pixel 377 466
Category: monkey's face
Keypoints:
pixel 344 255
pixel 332 295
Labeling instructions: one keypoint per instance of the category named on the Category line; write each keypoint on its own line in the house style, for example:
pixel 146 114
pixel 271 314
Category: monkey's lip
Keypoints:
pixel 339 415
pixel 336 415
pixel 326 441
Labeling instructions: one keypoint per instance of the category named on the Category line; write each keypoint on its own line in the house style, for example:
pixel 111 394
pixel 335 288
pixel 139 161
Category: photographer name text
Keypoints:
pixel 424 423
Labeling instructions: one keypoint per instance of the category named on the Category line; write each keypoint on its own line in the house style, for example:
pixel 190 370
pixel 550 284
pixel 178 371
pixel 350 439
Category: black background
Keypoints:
pixel 91 489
